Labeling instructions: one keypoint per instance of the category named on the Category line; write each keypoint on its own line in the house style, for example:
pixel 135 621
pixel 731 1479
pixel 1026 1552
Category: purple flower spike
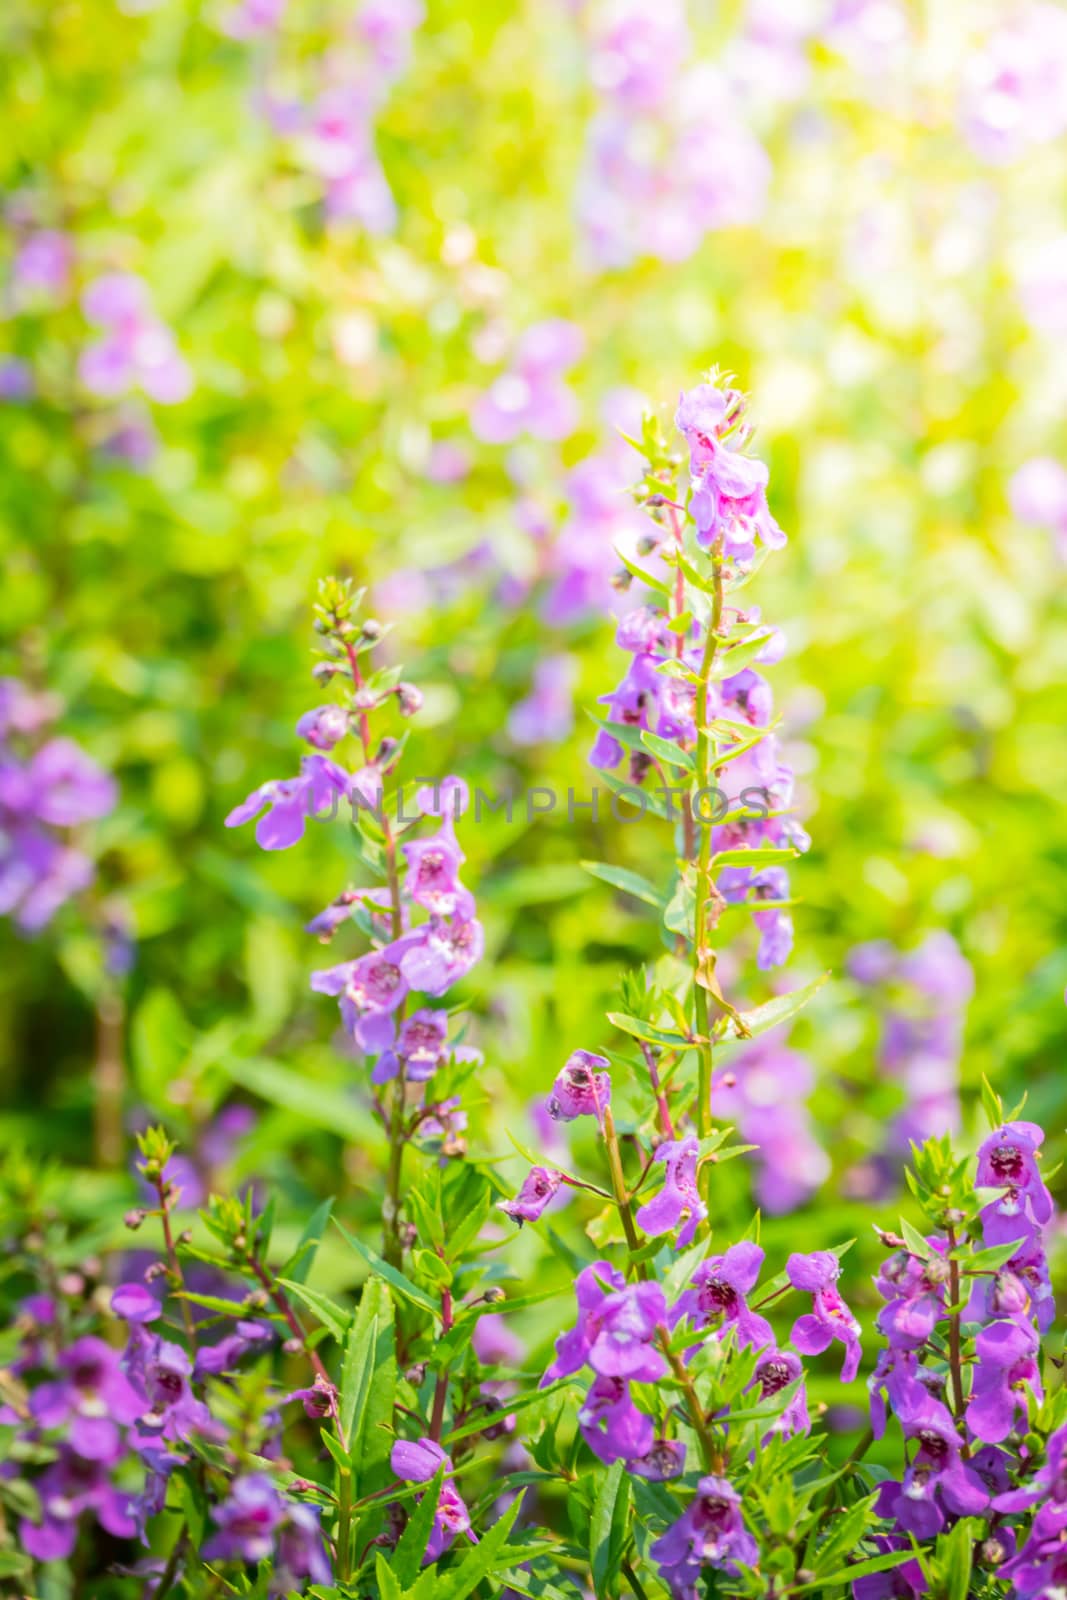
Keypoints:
pixel 580 1090
pixel 830 1318
pixel 679 1198
pixel 539 1187
pixel 719 1289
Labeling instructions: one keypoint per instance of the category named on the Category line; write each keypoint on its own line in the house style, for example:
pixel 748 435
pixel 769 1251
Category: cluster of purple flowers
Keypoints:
pixel 1015 85
pixel 333 135
pixel 926 995
pixel 764 1093
pixel 118 1424
pixel 648 186
pixel 135 349
pixel 728 503
pixel 532 396
pixel 46 789
pixel 419 1461
pixel 962 1456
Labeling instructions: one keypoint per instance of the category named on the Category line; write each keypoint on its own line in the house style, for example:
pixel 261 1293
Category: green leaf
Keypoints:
pixel 862 1569
pixel 299 1264
pixel 915 1241
pixel 160 1039
pixel 388 1587
pixel 486 1557
pixel 778 1010
pixel 992 1258
pixel 406 1562
pixel 392 1276
pixel 666 751
pixel 329 1313
pixel 372 1412
pixel 640 798
pixel 771 856
pixel 629 882
pixel 308 1098
pixel 507 1410
pixel 646 577
pixel 607 1527
pixel 638 1028
pixel 729 661
pixel 358 1367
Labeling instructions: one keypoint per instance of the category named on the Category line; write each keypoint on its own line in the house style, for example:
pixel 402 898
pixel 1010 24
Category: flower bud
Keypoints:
pixel 621 580
pixel 135 1218
pixel 371 630
pixel 293 1347
pixel 158 1269
pixel 408 698
pixel 416 1374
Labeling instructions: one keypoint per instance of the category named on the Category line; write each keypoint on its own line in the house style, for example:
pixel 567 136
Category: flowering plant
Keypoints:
pixel 257 1433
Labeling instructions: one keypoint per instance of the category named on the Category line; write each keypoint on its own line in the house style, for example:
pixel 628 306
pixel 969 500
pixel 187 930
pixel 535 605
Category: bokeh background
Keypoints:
pixel 344 220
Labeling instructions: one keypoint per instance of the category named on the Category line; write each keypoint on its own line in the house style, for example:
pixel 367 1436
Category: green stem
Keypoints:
pixel 705 889
pixel 622 1194
pixel 344 1524
pixel 955 1352
pixel 713 1457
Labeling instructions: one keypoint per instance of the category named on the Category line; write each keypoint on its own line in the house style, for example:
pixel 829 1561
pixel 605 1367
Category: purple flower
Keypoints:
pixel 1008 1160
pixel 1006 1369
pixel 775 1371
pixel 906 1582
pixel 547 715
pixel 679 1198
pixel 225 1355
pixel 915 1292
pixel 580 1090
pixel 43 263
pixel 611 1424
pixel 711 1533
pixel 623 1334
pixel 300 1553
pixel 323 727
pixel 290 801
pixel 161 1372
pixel 16 379
pixel 68 1487
pixel 665 1458
pixel 592 1287
pixel 433 874
pixel 369 990
pixel 719 1289
pixel 830 1318
pixel 91 1400
pixel 442 952
pixel 246 1521
pixel 137 349
pixel 937 1479
pixel 319 1401
pixel 539 1187
pixel 419 1462
pixel 1049 1482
